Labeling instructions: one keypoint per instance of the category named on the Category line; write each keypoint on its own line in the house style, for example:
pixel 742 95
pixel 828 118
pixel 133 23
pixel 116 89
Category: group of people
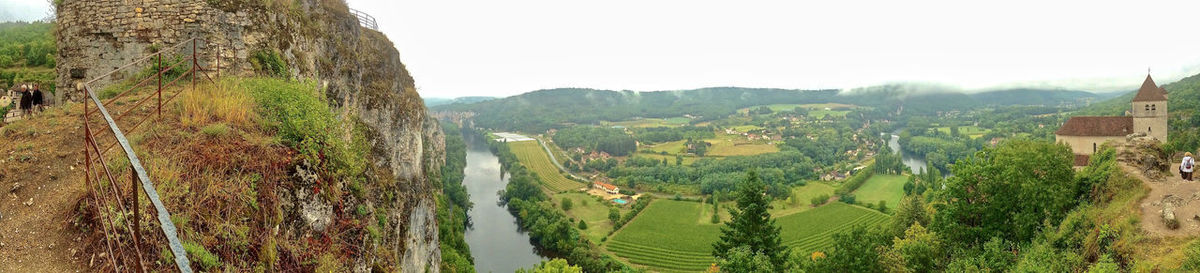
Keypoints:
pixel 30 100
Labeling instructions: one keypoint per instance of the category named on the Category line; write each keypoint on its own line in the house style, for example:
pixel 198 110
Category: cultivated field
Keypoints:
pixel 687 160
pixel 667 237
pixel 731 145
pixel 885 187
pixel 651 122
pixel 534 157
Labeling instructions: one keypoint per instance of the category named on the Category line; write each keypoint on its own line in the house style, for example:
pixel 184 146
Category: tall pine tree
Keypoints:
pixel 751 226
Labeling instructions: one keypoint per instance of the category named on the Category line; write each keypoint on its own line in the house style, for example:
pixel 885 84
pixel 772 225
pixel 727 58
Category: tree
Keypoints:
pixel 716 216
pixel 1009 192
pixel 582 225
pixel 614 215
pixel 918 251
pixel 853 250
pixel 882 207
pixel 678 160
pixel 553 266
pixel 751 226
pixel 741 259
pixel 911 211
pixel 566 204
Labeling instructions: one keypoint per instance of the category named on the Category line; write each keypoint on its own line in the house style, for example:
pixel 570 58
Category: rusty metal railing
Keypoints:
pixel 366 20
pixel 113 204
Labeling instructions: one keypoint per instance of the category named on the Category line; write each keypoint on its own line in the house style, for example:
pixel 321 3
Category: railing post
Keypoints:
pixel 137 224
pixel 194 65
pixel 160 72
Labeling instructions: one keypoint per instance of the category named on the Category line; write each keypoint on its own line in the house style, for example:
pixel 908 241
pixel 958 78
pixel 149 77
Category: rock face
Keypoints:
pixel 359 69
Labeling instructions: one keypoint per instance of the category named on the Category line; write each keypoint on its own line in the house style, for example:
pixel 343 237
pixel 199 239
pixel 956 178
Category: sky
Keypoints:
pixel 23 10
pixel 503 48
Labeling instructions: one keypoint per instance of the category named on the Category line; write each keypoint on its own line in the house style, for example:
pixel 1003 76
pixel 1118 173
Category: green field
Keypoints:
pixel 735 145
pixel 803 196
pixel 971 131
pixel 816 110
pixel 534 157
pixel 747 128
pixel 591 210
pixel 673 147
pixel 885 187
pixel 687 160
pixel 667 237
pixel 650 122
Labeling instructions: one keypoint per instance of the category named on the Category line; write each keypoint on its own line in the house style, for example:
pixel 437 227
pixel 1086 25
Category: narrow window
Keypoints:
pixel 1147 107
pixel 1153 107
pixel 1093 147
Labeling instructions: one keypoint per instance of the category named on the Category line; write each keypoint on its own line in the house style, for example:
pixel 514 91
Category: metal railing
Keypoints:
pixel 113 204
pixel 366 20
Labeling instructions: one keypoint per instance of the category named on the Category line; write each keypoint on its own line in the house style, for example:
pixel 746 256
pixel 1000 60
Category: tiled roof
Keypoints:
pixel 1150 91
pixel 1096 126
pixel 606 186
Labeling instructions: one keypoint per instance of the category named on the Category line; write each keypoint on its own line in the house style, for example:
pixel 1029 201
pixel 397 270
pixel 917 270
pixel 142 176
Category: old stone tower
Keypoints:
pixel 1150 110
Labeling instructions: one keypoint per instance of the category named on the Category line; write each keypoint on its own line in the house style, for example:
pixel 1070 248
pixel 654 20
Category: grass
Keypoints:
pixel 673 147
pixel 650 122
pixel 591 210
pixel 667 237
pixel 802 197
pixel 534 157
pixel 687 159
pixel 882 187
pixel 731 145
pixel 970 131
pixel 223 102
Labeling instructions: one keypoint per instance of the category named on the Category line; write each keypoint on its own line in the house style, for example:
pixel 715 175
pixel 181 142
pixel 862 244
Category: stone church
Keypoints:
pixel 1148 115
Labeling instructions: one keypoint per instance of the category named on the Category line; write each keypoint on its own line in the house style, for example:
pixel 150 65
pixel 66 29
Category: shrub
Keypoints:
pixel 566 204
pixel 268 62
pixel 847 198
pixel 820 200
pixel 305 122
pixel 582 225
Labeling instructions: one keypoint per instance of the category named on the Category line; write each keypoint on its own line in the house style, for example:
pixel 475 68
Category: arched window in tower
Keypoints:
pixel 1152 107
pixel 1147 107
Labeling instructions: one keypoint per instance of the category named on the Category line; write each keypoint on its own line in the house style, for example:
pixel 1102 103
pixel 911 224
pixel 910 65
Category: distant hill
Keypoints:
pixel 544 109
pixel 1026 96
pixel 431 102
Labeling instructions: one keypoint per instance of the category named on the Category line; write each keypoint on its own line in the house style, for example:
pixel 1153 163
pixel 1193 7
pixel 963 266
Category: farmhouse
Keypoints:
pixel 606 187
pixel 1147 115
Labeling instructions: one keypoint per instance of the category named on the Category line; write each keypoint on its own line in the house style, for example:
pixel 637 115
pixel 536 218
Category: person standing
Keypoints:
pixel 26 100
pixel 39 102
pixel 1187 166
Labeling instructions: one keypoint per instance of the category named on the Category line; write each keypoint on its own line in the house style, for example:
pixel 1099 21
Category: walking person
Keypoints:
pixel 1187 166
pixel 39 102
pixel 26 100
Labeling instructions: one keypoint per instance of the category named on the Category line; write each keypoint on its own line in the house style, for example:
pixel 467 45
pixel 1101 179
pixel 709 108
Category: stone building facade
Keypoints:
pixel 1148 115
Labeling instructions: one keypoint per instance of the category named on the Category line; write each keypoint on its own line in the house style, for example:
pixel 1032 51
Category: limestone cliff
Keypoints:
pixel 358 68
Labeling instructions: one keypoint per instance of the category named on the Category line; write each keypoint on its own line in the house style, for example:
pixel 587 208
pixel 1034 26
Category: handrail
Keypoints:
pixel 137 170
pixel 366 20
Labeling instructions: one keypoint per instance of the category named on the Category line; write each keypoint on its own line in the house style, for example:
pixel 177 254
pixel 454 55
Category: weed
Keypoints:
pixel 268 62
pixel 222 102
pixel 215 130
pixel 201 256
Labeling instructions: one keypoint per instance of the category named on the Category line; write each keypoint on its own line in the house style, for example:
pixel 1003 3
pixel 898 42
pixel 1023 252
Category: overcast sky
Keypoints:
pixel 501 48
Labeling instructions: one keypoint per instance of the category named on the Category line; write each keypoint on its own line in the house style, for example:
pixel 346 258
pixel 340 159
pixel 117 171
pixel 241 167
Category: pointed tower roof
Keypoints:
pixel 1150 91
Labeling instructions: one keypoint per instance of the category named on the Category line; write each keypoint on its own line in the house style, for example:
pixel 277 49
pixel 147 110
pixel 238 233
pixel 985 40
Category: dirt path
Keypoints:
pixel 39 186
pixel 1152 205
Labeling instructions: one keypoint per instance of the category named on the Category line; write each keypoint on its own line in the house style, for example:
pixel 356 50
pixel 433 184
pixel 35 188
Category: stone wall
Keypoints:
pixel 359 69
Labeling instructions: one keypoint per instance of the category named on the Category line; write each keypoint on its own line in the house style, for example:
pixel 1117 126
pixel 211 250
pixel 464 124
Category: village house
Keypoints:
pixel 1147 115
pixel 606 187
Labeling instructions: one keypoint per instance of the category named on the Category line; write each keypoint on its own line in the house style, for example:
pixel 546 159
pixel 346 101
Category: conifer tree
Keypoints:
pixel 751 226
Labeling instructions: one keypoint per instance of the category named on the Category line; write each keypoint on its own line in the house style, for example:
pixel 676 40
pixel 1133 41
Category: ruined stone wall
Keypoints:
pixel 359 69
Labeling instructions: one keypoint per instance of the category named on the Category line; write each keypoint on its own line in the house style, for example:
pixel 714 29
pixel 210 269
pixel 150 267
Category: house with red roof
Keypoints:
pixel 1147 115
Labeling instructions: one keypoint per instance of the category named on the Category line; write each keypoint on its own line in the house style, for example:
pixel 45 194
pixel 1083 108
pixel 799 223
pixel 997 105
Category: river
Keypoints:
pixel 916 163
pixel 496 241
